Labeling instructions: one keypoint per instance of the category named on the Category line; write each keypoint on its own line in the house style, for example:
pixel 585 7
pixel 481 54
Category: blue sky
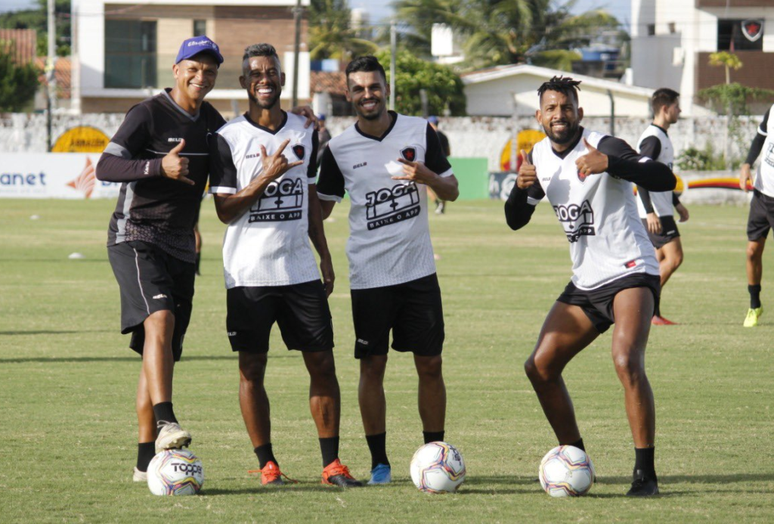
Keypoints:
pixel 620 8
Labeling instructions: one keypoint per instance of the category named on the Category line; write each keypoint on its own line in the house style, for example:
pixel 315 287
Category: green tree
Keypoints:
pixel 17 82
pixel 728 60
pixel 498 32
pixel 443 87
pixel 331 34
pixel 37 19
pixel 731 99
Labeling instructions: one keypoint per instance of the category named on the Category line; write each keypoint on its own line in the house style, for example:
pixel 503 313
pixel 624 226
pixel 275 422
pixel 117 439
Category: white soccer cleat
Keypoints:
pixel 139 476
pixel 172 436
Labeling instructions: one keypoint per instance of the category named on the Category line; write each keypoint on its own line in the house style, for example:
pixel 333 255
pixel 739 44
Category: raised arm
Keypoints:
pixel 625 163
pixel 230 206
pixel 525 195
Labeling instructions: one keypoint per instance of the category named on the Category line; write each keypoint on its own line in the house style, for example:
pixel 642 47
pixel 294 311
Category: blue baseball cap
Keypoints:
pixel 198 44
pixel 433 120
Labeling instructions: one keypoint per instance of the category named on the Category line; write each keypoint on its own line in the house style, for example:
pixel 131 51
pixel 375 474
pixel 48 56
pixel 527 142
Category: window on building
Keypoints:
pixel 651 29
pixel 130 53
pixel 740 35
pixel 672 28
pixel 199 27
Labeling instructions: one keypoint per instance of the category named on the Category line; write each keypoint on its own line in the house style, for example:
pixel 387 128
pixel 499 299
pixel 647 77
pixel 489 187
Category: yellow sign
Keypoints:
pixel 509 158
pixel 81 139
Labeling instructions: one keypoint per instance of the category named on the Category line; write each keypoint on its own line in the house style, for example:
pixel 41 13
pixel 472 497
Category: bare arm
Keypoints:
pixel 326 206
pixel 317 236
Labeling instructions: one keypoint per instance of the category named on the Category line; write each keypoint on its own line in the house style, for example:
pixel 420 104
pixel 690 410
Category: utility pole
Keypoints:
pixel 50 71
pixel 297 12
pixel 393 53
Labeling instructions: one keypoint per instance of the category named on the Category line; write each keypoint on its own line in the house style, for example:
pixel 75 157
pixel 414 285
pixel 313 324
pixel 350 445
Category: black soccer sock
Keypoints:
pixel 578 444
pixel 265 454
pixel 644 460
pixel 145 452
pixel 657 310
pixel 433 436
pixel 755 296
pixel 377 445
pixel 329 447
pixel 163 413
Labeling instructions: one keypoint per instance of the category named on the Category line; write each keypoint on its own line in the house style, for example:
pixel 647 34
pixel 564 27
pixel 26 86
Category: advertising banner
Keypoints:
pixel 52 175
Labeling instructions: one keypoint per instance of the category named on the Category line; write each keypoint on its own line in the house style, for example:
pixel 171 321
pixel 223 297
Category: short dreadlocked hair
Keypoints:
pixel 562 84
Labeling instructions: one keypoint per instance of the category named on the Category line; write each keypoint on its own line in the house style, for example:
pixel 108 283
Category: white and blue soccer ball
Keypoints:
pixel 566 471
pixel 437 467
pixel 175 472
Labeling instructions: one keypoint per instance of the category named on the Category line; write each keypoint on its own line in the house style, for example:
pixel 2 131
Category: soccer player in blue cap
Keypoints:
pixel 160 157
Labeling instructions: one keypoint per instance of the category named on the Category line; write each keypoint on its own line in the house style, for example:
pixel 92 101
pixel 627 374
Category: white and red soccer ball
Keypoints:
pixel 175 472
pixel 566 471
pixel 437 467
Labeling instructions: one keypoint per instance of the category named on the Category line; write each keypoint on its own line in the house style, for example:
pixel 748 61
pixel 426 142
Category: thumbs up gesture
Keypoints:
pixel 175 166
pixel 592 163
pixel 527 172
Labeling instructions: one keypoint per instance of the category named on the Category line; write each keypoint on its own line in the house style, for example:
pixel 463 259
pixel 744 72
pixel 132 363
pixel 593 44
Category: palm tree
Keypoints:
pixel 331 34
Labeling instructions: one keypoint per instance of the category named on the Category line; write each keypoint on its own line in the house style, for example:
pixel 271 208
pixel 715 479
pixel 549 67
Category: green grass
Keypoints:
pixel 67 382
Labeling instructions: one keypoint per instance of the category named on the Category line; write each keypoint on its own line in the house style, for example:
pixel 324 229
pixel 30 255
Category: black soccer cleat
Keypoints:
pixel 643 485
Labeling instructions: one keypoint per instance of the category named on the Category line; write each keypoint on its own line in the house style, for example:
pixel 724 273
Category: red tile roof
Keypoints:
pixel 333 83
pixel 23 42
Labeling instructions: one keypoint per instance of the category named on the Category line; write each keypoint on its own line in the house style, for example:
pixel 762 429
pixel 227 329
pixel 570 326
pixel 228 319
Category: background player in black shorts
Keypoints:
pixel 160 155
pixel 656 209
pixel 585 176
pixel 761 212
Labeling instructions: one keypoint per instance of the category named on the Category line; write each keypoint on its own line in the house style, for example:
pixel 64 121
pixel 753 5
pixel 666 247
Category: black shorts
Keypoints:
pixel 151 280
pixel 761 216
pixel 597 304
pixel 668 233
pixel 412 310
pixel 301 310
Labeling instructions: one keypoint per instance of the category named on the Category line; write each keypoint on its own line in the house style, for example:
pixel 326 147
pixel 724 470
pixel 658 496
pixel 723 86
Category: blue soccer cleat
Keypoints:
pixel 381 474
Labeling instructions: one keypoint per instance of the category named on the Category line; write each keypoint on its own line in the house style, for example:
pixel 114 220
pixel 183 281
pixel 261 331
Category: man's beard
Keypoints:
pixel 566 136
pixel 371 116
pixel 264 104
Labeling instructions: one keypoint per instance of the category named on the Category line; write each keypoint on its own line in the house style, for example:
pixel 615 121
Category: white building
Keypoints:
pixel 512 91
pixel 672 40
pixel 123 51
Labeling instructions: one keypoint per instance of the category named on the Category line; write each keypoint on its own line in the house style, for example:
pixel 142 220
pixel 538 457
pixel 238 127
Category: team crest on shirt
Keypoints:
pixel 299 150
pixel 390 205
pixel 581 176
pixel 409 153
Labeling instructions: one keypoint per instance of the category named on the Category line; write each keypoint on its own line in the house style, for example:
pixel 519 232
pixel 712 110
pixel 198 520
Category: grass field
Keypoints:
pixel 67 382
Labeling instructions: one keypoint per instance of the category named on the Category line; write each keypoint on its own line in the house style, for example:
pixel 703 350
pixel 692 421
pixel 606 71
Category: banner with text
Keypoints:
pixel 52 175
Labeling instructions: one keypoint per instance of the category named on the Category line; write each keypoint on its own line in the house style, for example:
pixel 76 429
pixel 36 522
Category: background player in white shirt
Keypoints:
pixel 270 205
pixel 761 212
pixel 586 176
pixel 656 208
pixel 385 162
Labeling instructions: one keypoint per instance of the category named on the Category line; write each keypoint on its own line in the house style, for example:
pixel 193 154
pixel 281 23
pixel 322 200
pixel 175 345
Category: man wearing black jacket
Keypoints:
pixel 587 177
pixel 160 156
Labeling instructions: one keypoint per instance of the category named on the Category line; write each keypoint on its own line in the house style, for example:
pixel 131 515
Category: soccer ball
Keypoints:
pixel 437 467
pixel 566 471
pixel 175 472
